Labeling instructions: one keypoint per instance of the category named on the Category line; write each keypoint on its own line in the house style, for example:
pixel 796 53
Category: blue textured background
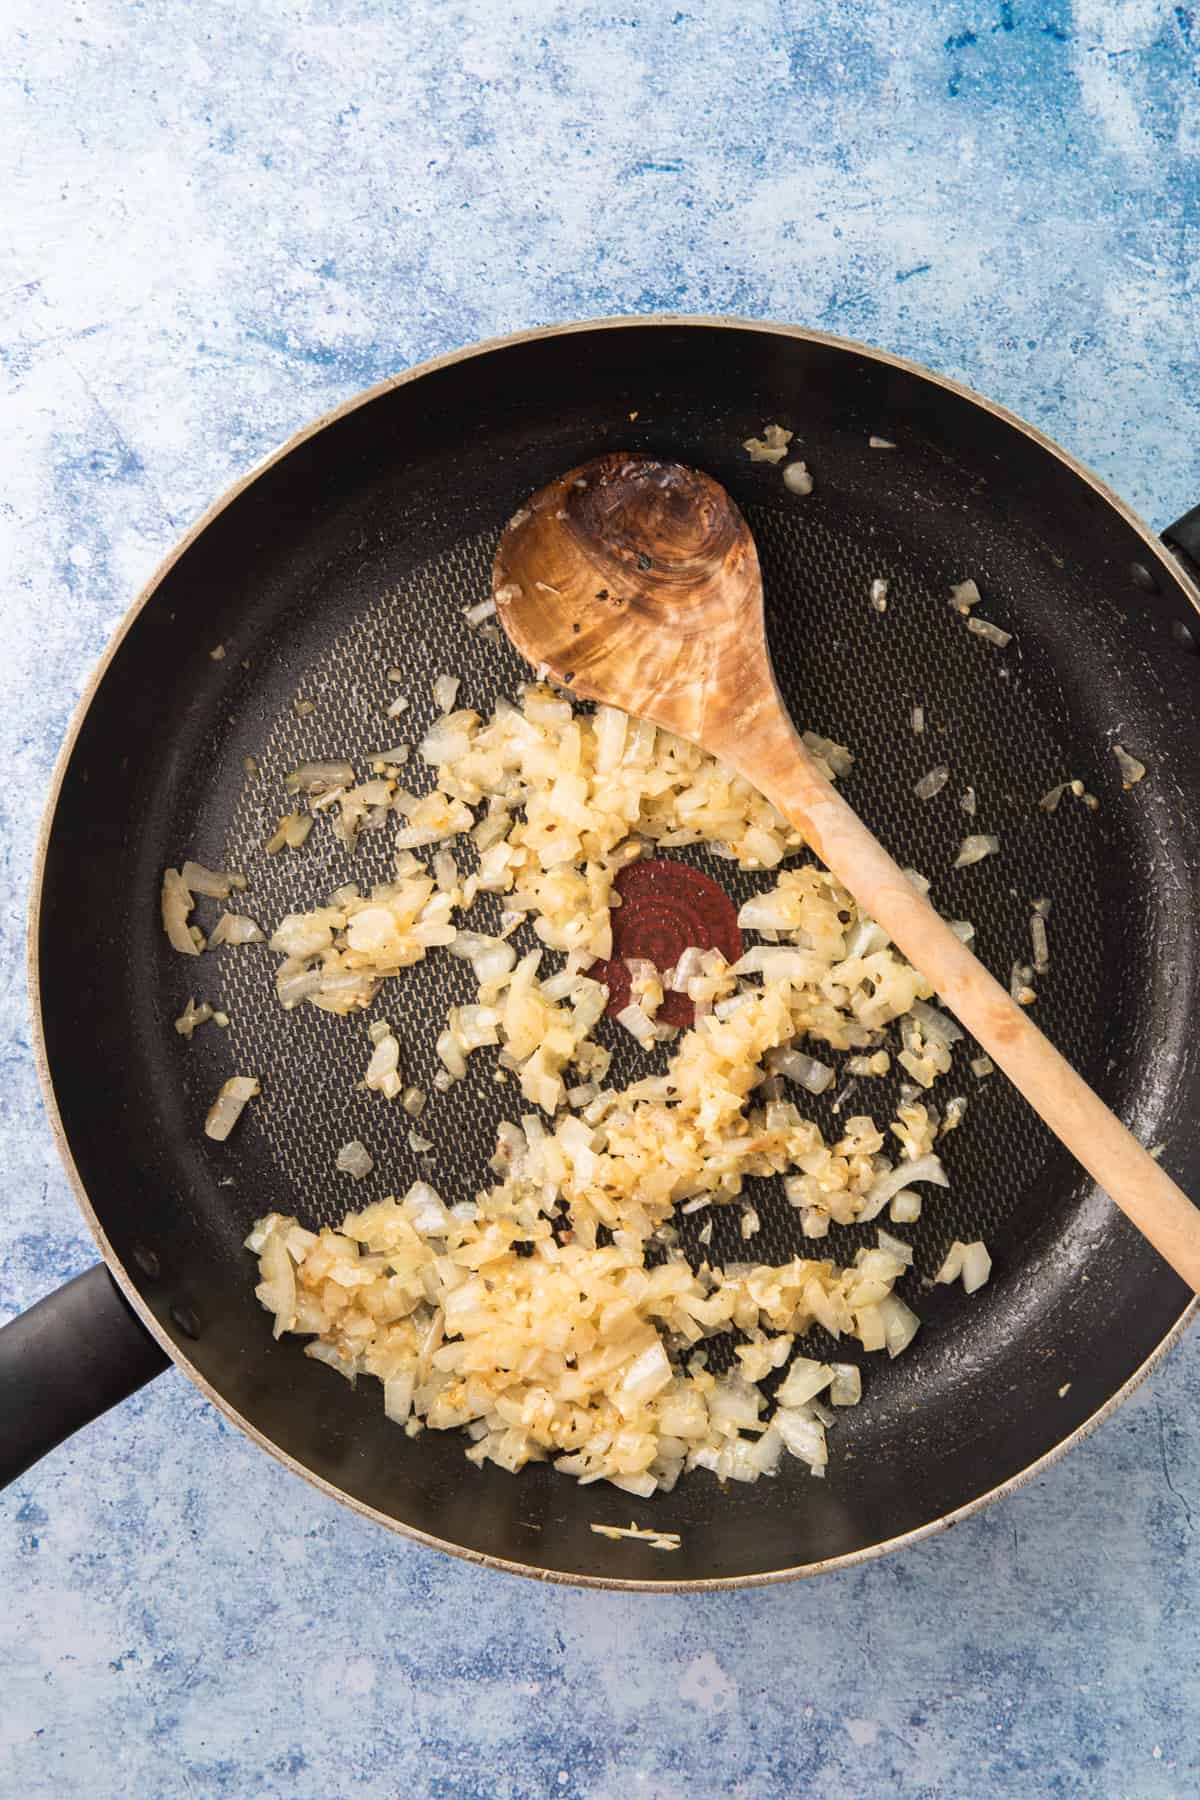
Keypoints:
pixel 219 220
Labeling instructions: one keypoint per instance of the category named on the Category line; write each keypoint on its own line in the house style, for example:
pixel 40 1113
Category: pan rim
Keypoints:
pixel 1158 552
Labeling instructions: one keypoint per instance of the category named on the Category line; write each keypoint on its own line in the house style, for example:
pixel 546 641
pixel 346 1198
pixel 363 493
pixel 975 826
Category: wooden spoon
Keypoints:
pixel 636 583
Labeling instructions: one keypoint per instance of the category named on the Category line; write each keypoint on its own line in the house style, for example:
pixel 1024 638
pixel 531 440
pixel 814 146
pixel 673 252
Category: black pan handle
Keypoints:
pixel 1183 537
pixel 66 1361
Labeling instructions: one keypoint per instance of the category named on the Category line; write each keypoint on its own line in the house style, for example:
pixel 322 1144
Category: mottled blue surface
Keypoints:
pixel 219 220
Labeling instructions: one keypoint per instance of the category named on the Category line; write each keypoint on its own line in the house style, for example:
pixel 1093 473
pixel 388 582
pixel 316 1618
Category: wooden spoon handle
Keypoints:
pixel 772 756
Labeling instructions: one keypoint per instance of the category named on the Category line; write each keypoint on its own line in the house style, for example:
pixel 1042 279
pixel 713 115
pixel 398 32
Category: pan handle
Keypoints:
pixel 66 1361
pixel 1183 537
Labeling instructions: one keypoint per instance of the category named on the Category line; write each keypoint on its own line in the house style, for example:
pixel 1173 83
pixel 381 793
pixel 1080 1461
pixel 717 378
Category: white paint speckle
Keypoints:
pixel 360 1676
pixel 704 1683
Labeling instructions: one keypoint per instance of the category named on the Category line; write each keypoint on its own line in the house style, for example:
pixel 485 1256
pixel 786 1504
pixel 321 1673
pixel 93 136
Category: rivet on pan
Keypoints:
pixel 1184 636
pixel 186 1320
pixel 1141 577
pixel 146 1261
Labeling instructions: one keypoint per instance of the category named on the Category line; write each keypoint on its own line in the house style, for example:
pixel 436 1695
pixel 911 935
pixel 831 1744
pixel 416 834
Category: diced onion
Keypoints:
pixel 834 756
pixel 806 1071
pixel 895 1246
pixel 637 1023
pixel 802 1434
pixel 777 963
pixel 689 966
pixel 970 1261
pixel 974 849
pixel 772 911
pixel 846 1387
pixel 865 937
pixel 445 743
pixel 191 1016
pixel 933 783
pixel 317 777
pixel 1018 984
pixel 905 1207
pixel 291 833
pixel 645 1377
pixel 215 883
pixel 355 1160
pixel 920 1168
pixel 976 1266
pixel 900 1323
pixel 770 447
pixel 383 1070
pixel 992 633
pixel 176 906
pixel 951 1267
pixel 425 1210
pixel 1131 769
pixel 657 1540
pixel 954 1113
pixel 804 1380
pixel 293 988
pixel 235 928
pixel 936 1023
pixel 227 1108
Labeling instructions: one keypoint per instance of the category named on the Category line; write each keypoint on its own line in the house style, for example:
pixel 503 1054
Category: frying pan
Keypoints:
pixel 357 548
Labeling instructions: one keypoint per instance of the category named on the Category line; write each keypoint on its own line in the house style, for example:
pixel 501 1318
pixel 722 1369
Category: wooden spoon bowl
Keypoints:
pixel 643 566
